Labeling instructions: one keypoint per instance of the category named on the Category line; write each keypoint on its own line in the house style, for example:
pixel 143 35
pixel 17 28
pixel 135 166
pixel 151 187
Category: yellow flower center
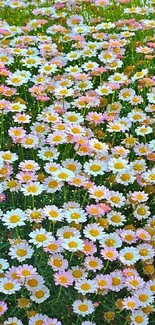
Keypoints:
pixel 94 232
pixel 93 263
pixel 14 218
pixel 116 218
pixel 32 283
pixel 52 184
pixel 83 307
pixel 48 154
pixel 118 165
pixel 57 262
pixel 77 274
pixel 75 216
pixel 32 189
pixel 63 175
pixel 85 286
pixel 102 283
pixel 53 214
pixel 110 242
pixel 63 279
pixel 116 281
pixel 115 199
pixel 128 256
pixel 125 177
pixel 40 128
pixel 40 238
pixel 68 234
pixel 143 252
pixel 35 215
pixel 95 168
pixel 139 319
pixel 21 252
pixel 12 183
pixel 8 286
pixel 39 294
pixel 71 167
pixel 29 141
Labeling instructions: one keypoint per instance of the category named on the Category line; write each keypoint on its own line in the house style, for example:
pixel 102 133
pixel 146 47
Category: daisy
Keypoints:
pixel 3 307
pixel 85 286
pixel 125 178
pixel 93 263
pixel 143 130
pixel 63 92
pixel 151 285
pixel 73 244
pixel 78 272
pixel 40 237
pixel 99 192
pixel 146 252
pixel 83 308
pixel 109 253
pixel 111 240
pixel 129 255
pixel 116 218
pixel 130 303
pixel 55 246
pixel 72 165
pixel 150 176
pixel 103 281
pixel 117 78
pixel 25 177
pixel 52 185
pixel 139 197
pixel 89 248
pixel 117 280
pixel 138 166
pixel 48 153
pixel 57 262
pixel 141 212
pixel 77 215
pixel 93 232
pixel 33 188
pixel 53 213
pixel 30 141
pixel 67 232
pixel 116 199
pixel 127 236
pixel 143 234
pixel 118 165
pixel 144 296
pixel 40 295
pixel 35 215
pixel 26 271
pixel 38 318
pixel 13 320
pixel 63 174
pixel 139 318
pixel 34 282
pixel 29 165
pixel 103 90
pixel 8 156
pixel 14 218
pixel 21 251
pixel 63 278
pixel 52 321
pixel 95 167
pixel 8 286
pixel 3 265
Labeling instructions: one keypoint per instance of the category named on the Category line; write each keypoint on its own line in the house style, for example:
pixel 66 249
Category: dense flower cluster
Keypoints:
pixel 77 162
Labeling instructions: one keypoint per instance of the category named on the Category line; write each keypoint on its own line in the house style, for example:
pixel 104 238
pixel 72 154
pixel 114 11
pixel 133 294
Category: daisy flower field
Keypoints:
pixel 77 162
